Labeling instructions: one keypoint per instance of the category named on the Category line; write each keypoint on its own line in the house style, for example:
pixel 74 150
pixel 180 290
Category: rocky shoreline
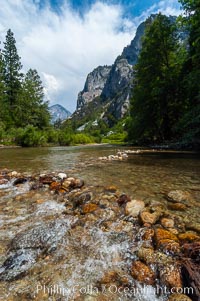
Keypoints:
pixel 47 217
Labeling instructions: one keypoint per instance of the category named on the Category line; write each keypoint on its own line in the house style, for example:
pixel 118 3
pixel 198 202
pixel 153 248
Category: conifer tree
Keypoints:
pixel 155 104
pixel 11 73
pixel 2 92
pixel 32 107
pixel 190 123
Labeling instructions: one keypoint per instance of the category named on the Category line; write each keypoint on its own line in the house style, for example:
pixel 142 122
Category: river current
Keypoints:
pixel 82 249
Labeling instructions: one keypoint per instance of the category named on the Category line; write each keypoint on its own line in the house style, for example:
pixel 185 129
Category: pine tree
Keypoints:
pixel 3 109
pixel 190 123
pixel 32 109
pixel 155 104
pixel 11 73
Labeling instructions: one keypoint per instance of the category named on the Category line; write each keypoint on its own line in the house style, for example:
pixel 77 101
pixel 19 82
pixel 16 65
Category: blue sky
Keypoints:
pixel 66 39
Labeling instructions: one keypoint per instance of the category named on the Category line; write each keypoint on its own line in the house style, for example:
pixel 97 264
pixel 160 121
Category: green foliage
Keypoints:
pixel 115 138
pixel 64 138
pixel 156 105
pixel 189 126
pixel 11 75
pixel 21 99
pixel 31 109
pixel 82 139
pixel 30 136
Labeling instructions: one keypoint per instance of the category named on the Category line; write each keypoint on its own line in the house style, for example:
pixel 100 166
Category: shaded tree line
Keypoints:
pixel 165 103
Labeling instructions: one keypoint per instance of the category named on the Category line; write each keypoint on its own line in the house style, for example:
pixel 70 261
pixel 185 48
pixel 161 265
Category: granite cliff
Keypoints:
pixel 109 87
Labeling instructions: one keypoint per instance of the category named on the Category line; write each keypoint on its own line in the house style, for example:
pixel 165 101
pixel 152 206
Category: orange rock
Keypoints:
pixel 169 246
pixel 179 297
pixel 88 208
pixel 177 206
pixel 148 234
pixel 111 189
pixel 55 186
pixel 142 273
pixel 109 277
pixel 146 255
pixel 167 222
pixel 62 190
pixel 166 241
pixel 161 234
pixel 40 201
pixel 114 277
pixel 149 218
pixel 170 276
pixel 188 237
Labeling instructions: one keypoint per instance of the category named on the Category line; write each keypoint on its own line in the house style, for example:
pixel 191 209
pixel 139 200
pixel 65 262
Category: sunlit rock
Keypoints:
pixel 134 207
pixel 142 273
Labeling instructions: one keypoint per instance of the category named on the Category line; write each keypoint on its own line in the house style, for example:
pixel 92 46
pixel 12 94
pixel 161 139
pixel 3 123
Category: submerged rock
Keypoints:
pixel 179 196
pixel 170 276
pixel 142 273
pixel 134 207
pixel 179 297
pixel 149 218
pixel 177 206
pixel 27 245
pixel 88 208
pixel 18 263
pixel 167 222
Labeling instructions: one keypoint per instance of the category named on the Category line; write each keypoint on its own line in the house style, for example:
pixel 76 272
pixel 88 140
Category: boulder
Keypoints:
pixel 170 276
pixel 88 208
pixel 149 218
pixel 177 207
pixel 167 222
pixel 188 237
pixel 62 175
pixel 142 273
pixel 134 207
pixel 166 241
pixel 179 297
pixel 123 199
pixel 179 196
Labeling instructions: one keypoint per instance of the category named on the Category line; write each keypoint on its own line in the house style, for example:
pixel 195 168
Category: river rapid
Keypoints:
pixel 70 229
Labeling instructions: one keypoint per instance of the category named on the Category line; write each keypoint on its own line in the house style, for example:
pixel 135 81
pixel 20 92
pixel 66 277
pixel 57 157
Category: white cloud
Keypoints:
pixel 65 48
pixel 168 8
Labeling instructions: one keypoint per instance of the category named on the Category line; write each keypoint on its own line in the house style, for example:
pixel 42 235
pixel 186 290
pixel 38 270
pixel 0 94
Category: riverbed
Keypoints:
pixel 92 242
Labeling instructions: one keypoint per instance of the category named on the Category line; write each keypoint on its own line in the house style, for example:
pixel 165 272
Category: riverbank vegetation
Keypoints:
pixel 24 114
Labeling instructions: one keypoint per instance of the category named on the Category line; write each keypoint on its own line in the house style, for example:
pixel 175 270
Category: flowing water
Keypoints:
pixel 143 174
pixel 84 253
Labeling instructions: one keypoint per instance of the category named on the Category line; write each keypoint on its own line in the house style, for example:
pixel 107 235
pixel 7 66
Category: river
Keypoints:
pixel 47 251
pixel 142 174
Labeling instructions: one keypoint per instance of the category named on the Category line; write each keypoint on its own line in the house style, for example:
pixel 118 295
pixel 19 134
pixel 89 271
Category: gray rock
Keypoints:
pixel 26 246
pixel 93 86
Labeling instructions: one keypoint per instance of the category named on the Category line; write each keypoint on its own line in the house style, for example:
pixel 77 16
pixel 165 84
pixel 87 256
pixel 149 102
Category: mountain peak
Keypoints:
pixel 58 112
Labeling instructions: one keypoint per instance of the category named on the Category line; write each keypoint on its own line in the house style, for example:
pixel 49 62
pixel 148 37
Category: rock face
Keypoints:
pixel 113 83
pixel 94 85
pixel 58 112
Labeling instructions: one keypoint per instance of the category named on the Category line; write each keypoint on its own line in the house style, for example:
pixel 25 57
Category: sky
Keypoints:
pixel 65 40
